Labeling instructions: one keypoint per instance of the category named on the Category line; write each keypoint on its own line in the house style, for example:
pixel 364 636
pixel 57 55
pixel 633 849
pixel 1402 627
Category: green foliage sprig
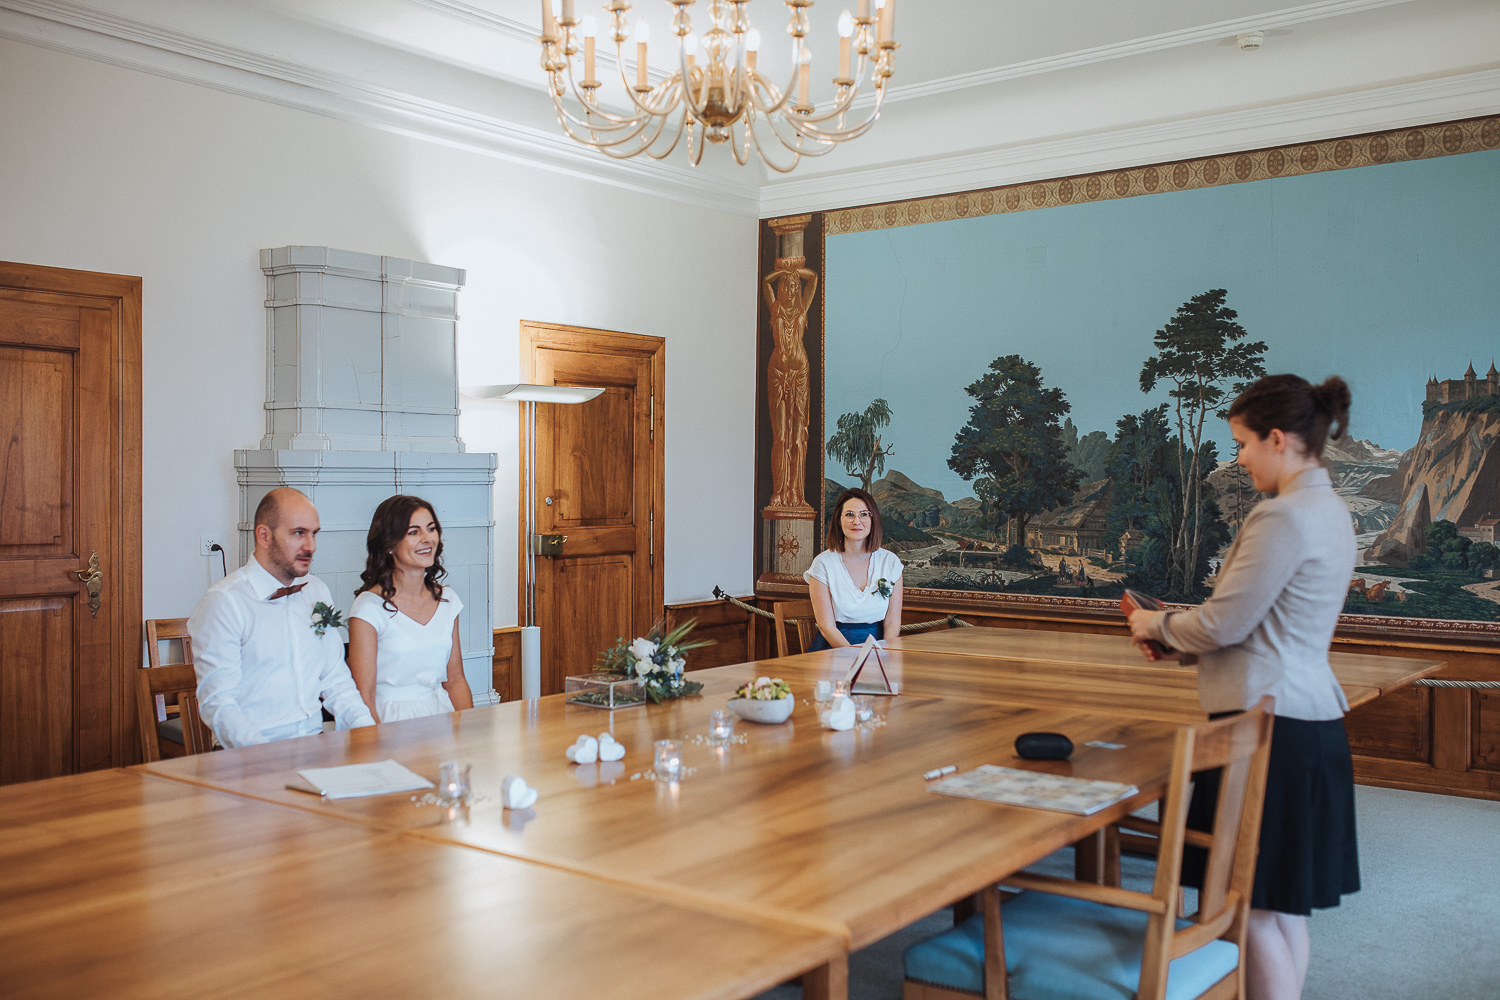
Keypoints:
pixel 325 617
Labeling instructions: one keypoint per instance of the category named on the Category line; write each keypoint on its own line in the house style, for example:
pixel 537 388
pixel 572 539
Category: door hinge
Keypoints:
pixel 651 539
pixel 652 434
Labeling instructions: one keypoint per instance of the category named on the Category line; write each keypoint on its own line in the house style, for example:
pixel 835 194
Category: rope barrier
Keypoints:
pixel 952 621
pixel 1473 685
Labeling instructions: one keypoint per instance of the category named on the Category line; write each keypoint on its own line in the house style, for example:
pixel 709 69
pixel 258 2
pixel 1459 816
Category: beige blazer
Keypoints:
pixel 1270 621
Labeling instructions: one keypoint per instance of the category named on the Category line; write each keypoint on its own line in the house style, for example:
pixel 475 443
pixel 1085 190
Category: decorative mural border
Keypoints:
pixel 1394 146
pixel 1290 160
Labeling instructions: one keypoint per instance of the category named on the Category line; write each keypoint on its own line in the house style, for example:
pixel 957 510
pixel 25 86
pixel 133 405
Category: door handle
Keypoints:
pixel 93 581
pixel 548 545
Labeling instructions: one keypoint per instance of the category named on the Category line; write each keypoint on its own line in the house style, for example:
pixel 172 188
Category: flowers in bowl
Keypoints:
pixel 657 659
pixel 764 699
pixel 765 689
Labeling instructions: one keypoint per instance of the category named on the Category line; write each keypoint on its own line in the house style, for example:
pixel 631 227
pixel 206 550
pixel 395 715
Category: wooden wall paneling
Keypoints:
pixel 1486 730
pixel 506 669
pixel 1395 726
pixel 719 621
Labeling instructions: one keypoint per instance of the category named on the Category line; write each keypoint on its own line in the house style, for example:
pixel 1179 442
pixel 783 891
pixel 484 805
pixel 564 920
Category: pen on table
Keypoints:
pixel 303 788
pixel 938 772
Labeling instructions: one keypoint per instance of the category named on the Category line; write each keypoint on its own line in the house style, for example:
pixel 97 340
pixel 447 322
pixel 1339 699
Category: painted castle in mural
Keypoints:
pixel 1456 390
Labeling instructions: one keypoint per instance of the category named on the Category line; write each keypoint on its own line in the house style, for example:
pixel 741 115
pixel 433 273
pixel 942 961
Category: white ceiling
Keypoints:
pixel 985 91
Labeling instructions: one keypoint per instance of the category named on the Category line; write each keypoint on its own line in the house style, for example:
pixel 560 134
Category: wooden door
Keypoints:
pixel 599 481
pixel 70 480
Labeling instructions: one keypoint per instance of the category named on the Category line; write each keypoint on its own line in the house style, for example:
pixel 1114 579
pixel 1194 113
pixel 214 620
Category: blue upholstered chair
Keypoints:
pixel 1065 939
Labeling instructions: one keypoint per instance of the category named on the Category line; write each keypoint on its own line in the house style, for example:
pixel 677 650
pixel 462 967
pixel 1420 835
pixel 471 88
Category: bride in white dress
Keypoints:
pixel 403 626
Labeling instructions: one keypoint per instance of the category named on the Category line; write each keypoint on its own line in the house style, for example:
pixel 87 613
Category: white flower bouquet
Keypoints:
pixel 657 659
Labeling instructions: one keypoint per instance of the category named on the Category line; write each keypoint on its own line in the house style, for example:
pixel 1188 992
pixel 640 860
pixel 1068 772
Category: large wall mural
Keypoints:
pixel 1036 396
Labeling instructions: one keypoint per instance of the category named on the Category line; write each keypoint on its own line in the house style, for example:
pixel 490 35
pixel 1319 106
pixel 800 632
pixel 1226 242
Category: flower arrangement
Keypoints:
pixel 657 659
pixel 883 586
pixel 325 617
pixel 764 689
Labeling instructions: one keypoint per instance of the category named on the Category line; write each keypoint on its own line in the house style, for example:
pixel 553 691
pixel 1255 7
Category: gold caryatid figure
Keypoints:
pixel 789 291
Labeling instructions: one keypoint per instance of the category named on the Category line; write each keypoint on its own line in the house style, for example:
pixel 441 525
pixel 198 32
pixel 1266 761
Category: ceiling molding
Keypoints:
pixel 1399 106
pixel 1124 50
pixel 522 32
pixel 137 45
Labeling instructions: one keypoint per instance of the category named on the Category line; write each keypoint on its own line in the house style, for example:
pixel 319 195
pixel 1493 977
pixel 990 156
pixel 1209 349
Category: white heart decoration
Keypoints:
pixel 515 793
pixel 611 750
pixel 840 716
pixel 585 751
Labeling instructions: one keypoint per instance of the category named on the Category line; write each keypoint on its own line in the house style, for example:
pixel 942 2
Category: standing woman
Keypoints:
pixel 403 628
pixel 855 584
pixel 1266 630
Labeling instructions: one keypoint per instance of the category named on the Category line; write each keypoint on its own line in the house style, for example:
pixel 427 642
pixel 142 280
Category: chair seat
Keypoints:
pixel 171 730
pixel 1058 948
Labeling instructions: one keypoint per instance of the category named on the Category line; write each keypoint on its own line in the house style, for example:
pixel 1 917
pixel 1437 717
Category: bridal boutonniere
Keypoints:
pixel 883 586
pixel 325 617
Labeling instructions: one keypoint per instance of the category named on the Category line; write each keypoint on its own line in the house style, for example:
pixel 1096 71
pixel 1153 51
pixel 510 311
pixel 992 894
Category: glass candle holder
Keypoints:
pixel 453 781
pixel 721 724
pixel 864 707
pixel 840 688
pixel 668 758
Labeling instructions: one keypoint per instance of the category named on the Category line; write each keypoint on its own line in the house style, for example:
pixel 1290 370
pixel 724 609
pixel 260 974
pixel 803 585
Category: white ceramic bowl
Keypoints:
pixel 769 712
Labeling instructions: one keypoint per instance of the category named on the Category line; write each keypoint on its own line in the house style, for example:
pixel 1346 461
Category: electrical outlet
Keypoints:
pixel 206 544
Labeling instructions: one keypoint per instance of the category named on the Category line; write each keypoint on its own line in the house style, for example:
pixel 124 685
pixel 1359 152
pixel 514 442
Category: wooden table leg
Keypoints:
pixel 828 982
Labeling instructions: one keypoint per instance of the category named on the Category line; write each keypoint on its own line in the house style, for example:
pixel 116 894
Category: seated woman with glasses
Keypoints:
pixel 855 584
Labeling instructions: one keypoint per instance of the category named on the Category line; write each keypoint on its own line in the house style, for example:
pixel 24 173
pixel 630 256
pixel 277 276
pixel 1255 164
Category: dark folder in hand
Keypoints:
pixel 1134 600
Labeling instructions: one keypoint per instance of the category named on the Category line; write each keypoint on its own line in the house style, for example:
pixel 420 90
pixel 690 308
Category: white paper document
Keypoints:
pixel 353 780
pixel 1034 788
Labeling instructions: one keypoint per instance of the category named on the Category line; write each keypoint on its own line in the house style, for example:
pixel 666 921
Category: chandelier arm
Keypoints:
pixel 782 96
pixel 608 147
pixel 676 138
pixel 809 128
pixel 766 156
pixel 796 142
pixel 600 137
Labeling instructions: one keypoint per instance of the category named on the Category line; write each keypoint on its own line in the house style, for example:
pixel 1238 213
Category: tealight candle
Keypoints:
pixel 841 688
pixel 864 707
pixel 453 781
pixel 721 723
pixel 668 758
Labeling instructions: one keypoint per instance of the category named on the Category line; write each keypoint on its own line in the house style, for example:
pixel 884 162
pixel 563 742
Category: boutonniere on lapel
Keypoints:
pixel 325 617
pixel 883 586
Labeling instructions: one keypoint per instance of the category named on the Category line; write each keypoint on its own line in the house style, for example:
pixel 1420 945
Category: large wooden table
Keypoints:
pixel 123 884
pixel 773 858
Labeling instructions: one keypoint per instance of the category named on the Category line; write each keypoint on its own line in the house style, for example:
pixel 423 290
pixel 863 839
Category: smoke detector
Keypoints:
pixel 1250 40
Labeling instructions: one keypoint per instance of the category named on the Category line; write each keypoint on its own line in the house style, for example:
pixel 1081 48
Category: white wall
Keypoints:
pixel 106 169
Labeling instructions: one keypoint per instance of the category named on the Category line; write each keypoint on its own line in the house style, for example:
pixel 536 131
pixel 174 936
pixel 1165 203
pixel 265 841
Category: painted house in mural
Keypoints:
pixel 1077 528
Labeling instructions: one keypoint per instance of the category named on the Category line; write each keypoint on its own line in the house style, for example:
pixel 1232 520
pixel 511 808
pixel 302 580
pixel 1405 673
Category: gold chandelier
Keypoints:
pixel 723 99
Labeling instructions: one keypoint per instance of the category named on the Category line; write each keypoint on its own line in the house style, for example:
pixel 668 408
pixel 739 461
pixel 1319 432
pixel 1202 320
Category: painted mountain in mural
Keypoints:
pixel 1451 474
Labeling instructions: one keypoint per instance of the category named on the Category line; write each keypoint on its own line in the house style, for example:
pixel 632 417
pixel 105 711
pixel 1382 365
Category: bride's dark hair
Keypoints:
pixel 387 528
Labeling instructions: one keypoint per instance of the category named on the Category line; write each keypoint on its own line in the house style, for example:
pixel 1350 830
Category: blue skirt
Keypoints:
pixel 855 632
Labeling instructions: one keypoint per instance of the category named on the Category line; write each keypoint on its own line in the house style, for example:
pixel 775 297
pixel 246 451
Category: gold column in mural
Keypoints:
pixel 789 521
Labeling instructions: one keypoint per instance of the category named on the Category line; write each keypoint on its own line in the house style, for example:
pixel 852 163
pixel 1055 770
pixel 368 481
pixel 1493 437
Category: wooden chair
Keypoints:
pixel 1092 941
pixel 159 688
pixel 807 625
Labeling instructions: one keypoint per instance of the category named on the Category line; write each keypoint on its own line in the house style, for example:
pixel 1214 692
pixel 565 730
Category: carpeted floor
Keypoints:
pixel 1426 923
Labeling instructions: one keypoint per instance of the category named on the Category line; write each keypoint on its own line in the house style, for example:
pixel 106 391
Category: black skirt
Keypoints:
pixel 1308 852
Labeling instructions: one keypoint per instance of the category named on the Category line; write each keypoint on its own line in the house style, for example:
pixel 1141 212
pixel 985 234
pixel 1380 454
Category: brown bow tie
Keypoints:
pixel 285 592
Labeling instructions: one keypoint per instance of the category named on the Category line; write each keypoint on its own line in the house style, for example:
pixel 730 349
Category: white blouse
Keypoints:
pixel 411 659
pixel 852 605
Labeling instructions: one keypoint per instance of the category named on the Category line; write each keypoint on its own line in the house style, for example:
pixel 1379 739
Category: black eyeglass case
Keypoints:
pixel 1043 746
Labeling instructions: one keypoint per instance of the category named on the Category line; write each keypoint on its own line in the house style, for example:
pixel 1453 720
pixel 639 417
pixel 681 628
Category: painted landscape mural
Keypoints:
pixel 1037 399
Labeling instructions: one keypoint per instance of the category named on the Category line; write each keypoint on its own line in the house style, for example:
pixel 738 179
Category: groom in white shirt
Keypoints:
pixel 260 661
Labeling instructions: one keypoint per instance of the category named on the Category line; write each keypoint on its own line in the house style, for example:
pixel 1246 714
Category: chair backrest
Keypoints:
pixel 786 612
pixel 1241 747
pixel 158 686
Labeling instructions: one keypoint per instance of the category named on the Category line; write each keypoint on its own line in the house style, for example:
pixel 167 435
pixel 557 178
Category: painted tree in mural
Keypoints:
pixel 1014 439
pixel 1145 514
pixel 1202 353
pixel 857 444
pixel 1087 453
